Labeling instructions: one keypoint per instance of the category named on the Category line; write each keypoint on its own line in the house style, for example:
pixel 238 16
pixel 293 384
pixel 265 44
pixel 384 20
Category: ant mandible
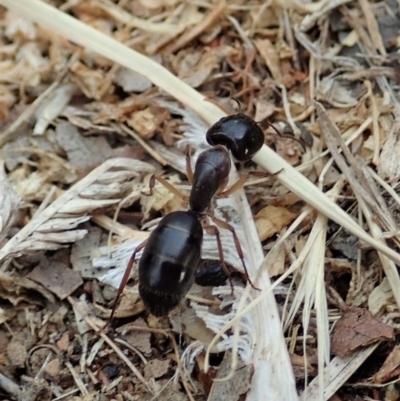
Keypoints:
pixel 172 253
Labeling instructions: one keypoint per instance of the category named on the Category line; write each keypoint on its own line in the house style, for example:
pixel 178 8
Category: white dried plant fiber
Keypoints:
pixel 9 201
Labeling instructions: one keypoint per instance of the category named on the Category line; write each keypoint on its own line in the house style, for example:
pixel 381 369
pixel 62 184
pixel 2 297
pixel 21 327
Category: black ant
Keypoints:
pixel 172 253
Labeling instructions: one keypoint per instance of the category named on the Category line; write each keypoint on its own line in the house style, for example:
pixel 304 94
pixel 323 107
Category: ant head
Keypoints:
pixel 239 133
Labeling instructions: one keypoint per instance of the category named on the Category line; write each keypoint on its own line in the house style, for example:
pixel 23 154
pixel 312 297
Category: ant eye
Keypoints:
pixel 239 133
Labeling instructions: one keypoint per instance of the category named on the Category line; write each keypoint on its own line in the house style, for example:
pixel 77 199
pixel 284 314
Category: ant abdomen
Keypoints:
pixel 239 133
pixel 170 261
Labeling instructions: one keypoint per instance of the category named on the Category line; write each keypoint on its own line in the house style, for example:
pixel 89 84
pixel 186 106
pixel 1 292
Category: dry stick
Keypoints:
pixel 144 144
pixel 372 25
pixel 66 394
pixel 78 381
pixel 133 349
pixel 375 125
pixel 384 185
pixel 179 362
pixel 90 322
pixel 311 20
pixel 331 210
pixel 373 187
pixel 9 386
pixel 118 228
pixel 349 140
pixel 369 48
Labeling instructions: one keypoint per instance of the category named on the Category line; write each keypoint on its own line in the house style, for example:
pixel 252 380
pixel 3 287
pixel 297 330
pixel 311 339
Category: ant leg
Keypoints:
pixel 240 182
pixel 125 279
pixel 189 171
pixel 213 230
pixel 165 184
pixel 227 226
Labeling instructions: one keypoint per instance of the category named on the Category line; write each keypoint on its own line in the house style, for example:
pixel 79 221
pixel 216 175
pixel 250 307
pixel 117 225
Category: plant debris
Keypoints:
pixel 357 328
pixel 97 96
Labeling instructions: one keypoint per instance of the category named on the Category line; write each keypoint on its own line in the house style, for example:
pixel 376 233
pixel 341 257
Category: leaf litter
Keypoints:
pixel 82 130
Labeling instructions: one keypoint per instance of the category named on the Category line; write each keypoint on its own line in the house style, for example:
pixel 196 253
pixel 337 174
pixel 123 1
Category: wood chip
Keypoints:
pixel 390 368
pixel 357 328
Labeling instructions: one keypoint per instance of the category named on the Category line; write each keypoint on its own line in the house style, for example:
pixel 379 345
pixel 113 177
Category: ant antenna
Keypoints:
pixel 268 124
pixel 283 135
pixel 238 104
pixel 230 87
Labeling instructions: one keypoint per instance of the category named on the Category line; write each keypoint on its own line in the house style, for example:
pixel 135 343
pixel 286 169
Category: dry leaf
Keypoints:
pixel 301 368
pixel 144 122
pixel 56 277
pixel 156 368
pixel 275 260
pixel 129 306
pixel 17 354
pixel 193 326
pixel 233 389
pixel 271 57
pixel 88 310
pixel 131 81
pixel 271 220
pixel 389 166
pixel 196 67
pixel 362 284
pixel 83 153
pixel 81 253
pixel 16 289
pixel 89 81
pixel 380 297
pixel 137 338
pixel 52 107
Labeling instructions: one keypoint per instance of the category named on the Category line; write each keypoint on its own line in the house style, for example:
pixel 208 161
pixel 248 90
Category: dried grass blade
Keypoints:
pixel 307 191
pixel 8 203
pixel 58 205
pixel 336 374
pixel 372 26
pixel 388 266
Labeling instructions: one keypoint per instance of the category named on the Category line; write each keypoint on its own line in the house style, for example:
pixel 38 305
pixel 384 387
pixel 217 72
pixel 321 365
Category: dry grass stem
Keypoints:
pixel 336 374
